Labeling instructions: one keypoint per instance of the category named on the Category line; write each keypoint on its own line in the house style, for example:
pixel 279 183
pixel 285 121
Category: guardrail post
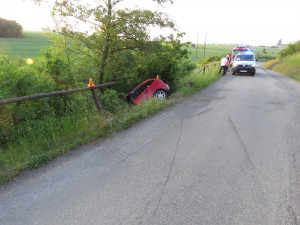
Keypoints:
pixel 203 70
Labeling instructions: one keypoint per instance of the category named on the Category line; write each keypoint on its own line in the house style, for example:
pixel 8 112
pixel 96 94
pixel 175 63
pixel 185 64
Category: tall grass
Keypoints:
pixel 52 138
pixel 289 66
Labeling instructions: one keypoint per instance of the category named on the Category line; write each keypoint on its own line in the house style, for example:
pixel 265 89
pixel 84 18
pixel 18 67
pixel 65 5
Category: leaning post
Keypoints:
pixel 96 98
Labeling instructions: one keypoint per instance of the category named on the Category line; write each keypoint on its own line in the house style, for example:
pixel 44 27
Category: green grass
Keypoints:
pixel 52 138
pixel 199 82
pixel 26 47
pixel 209 51
pixel 289 66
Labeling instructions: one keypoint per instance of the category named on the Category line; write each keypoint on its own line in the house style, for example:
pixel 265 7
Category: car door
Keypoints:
pixel 142 92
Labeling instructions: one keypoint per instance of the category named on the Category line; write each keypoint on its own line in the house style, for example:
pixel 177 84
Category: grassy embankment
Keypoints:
pixel 52 138
pixel 289 66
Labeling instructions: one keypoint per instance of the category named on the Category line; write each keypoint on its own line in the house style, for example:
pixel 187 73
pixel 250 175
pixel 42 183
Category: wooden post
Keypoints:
pixel 97 101
pixel 197 46
pixel 204 46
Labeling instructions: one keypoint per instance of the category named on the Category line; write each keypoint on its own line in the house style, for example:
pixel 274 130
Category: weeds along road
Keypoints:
pixel 227 155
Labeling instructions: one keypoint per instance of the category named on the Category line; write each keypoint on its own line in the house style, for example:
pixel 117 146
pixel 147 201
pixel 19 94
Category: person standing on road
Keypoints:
pixel 223 65
pixel 227 63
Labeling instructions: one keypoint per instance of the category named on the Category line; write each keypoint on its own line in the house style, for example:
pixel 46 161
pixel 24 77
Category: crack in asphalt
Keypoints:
pixel 171 167
pixel 143 146
pixel 203 112
pixel 236 132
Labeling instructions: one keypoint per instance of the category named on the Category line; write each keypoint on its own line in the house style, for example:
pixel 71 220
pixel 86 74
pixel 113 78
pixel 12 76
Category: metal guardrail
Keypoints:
pixel 49 94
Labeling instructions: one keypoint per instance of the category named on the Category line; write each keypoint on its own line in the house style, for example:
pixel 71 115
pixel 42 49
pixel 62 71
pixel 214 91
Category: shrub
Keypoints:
pixel 265 51
pixel 110 101
pixel 290 49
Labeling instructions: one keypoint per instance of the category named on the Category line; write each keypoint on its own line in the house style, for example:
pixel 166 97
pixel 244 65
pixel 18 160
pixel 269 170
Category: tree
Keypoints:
pixel 265 51
pixel 10 29
pixel 112 29
pixel 279 43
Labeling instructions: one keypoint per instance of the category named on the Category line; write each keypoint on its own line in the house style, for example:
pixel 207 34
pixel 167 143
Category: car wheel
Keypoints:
pixel 252 73
pixel 160 94
pixel 233 73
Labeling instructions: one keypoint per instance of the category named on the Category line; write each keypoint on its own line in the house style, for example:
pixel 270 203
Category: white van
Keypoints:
pixel 244 63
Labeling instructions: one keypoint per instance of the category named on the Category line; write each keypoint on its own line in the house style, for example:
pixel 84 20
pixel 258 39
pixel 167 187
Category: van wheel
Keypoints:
pixel 252 73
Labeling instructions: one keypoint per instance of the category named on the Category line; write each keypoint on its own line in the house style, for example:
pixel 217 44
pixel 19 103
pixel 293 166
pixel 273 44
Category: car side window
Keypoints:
pixel 140 89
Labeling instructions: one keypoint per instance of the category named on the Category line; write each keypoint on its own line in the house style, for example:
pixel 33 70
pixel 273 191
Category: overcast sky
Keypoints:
pixel 255 22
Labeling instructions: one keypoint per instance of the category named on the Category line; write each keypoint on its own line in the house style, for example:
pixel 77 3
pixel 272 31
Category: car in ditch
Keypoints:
pixel 148 89
pixel 244 63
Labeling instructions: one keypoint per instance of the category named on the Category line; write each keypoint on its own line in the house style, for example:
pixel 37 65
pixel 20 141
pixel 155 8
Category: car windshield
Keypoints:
pixel 244 58
pixel 235 52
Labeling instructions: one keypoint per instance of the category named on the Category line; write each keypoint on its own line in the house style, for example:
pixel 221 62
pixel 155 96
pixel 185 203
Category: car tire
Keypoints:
pixel 160 94
pixel 252 73
pixel 233 73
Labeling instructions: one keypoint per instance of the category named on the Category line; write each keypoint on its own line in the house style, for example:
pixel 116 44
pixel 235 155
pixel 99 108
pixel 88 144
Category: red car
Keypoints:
pixel 149 88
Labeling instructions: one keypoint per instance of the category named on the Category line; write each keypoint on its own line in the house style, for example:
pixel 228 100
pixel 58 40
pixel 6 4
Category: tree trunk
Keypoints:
pixel 104 61
pixel 106 44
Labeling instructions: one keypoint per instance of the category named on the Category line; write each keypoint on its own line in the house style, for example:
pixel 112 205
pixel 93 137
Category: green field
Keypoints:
pixel 33 42
pixel 223 50
pixel 26 47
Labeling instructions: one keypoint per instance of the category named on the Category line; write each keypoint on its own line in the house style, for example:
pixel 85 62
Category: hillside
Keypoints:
pixel 26 47
pixel 289 66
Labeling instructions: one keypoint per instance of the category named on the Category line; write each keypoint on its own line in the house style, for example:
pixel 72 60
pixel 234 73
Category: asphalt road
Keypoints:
pixel 228 155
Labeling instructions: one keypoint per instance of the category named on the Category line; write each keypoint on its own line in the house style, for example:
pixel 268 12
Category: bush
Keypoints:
pixel 265 51
pixel 290 49
pixel 110 101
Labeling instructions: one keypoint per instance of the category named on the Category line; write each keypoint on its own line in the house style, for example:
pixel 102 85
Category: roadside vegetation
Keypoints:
pixel 35 132
pixel 288 63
